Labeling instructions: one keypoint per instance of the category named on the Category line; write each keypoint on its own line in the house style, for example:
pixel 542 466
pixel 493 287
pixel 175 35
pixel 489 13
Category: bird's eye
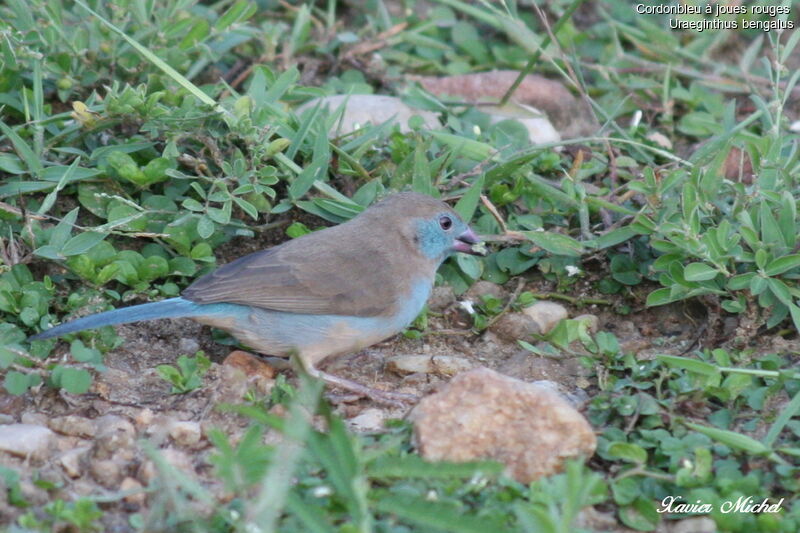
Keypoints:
pixel 445 222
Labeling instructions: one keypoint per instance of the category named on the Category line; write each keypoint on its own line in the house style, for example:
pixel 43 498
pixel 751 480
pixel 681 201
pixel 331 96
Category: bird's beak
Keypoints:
pixel 469 243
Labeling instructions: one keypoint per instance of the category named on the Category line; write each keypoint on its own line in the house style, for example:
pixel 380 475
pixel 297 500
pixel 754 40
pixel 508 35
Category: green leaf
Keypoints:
pixel 699 272
pixel 72 380
pixel 471 149
pixel 660 297
pixel 24 151
pixel 17 383
pixel 642 515
pixel 205 227
pixel 82 243
pixel 414 466
pixel 782 264
pixel 732 439
pixel 632 453
pixel 470 265
pixel 692 365
pixel 780 290
pixel 742 281
pixel 555 243
pixel 468 203
pixel 238 12
pixel 437 515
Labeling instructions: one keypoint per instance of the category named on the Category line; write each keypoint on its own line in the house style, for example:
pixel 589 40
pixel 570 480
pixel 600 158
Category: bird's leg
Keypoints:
pixel 396 399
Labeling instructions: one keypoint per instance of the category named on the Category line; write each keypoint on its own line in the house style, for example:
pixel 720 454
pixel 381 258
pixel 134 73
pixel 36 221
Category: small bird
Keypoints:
pixel 324 294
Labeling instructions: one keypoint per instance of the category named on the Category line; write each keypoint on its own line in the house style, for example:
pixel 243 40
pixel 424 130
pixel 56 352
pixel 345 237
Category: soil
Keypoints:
pixel 132 392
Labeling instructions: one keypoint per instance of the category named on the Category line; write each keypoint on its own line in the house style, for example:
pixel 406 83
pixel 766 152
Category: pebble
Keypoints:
pixel 546 315
pixel 592 322
pixel 137 496
pixel 73 426
pixel 482 414
pixel 144 418
pixel 441 298
pixel 188 346
pixel 115 435
pixel 34 419
pixel 369 420
pixel 27 440
pixel 72 461
pixel 443 365
pixel 185 433
pixel 174 457
pixel 515 326
pixel 107 472
pixel 250 364
pixel 361 109
pixel 485 288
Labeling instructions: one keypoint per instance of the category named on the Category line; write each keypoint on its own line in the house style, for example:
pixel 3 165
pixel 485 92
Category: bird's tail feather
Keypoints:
pixel 172 308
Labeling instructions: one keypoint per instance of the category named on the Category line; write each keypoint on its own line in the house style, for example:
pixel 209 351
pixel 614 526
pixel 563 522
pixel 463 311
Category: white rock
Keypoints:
pixel 72 461
pixel 546 315
pixel 369 420
pixel 443 365
pixel 360 109
pixel 482 414
pixel 26 440
pixel 185 433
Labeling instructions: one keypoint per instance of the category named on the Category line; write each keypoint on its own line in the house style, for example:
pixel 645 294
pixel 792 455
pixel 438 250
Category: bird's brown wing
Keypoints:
pixel 334 271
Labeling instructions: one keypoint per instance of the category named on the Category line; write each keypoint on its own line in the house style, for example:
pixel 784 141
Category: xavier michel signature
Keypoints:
pixel 743 504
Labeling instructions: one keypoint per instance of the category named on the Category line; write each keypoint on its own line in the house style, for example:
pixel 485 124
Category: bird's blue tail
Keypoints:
pixel 172 308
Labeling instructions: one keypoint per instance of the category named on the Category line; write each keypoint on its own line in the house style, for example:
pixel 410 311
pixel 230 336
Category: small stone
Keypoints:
pixel 174 457
pixel 361 109
pixel 188 346
pixel 185 433
pixel 369 420
pixel 27 440
pixel 114 434
pixel 441 298
pixel 485 288
pixel 137 495
pixel 481 414
pixel 72 461
pixel 592 322
pixel 233 385
pixel 250 364
pixel 73 426
pixel 34 419
pixel 515 326
pixel 443 365
pixel 144 418
pixel 698 524
pixel 546 315
pixel 107 472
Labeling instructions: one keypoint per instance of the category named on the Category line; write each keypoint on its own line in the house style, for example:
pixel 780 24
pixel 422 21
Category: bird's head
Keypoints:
pixel 431 226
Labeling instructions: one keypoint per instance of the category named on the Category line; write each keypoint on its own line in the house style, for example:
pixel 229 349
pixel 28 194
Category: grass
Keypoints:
pixel 126 160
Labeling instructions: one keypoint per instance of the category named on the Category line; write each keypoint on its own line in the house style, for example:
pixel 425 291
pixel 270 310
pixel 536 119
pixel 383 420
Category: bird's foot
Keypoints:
pixel 394 399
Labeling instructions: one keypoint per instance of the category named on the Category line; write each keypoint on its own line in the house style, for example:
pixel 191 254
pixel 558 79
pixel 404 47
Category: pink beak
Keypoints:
pixel 465 241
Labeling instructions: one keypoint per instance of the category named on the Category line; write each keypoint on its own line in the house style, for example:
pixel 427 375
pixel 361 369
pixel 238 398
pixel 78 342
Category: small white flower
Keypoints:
pixel 476 130
pixel 572 270
pixel 468 306
pixel 431 496
pixel 637 117
pixel 687 464
pixel 795 126
pixel 321 491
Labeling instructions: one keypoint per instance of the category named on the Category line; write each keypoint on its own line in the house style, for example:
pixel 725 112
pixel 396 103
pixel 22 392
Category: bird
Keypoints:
pixel 329 292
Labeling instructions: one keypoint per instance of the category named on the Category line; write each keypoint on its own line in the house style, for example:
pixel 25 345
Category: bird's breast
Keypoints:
pixel 316 337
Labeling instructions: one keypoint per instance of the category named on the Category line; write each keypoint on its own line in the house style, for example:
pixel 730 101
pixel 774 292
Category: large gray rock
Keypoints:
pixel 26 440
pixel 361 109
pixel 481 414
